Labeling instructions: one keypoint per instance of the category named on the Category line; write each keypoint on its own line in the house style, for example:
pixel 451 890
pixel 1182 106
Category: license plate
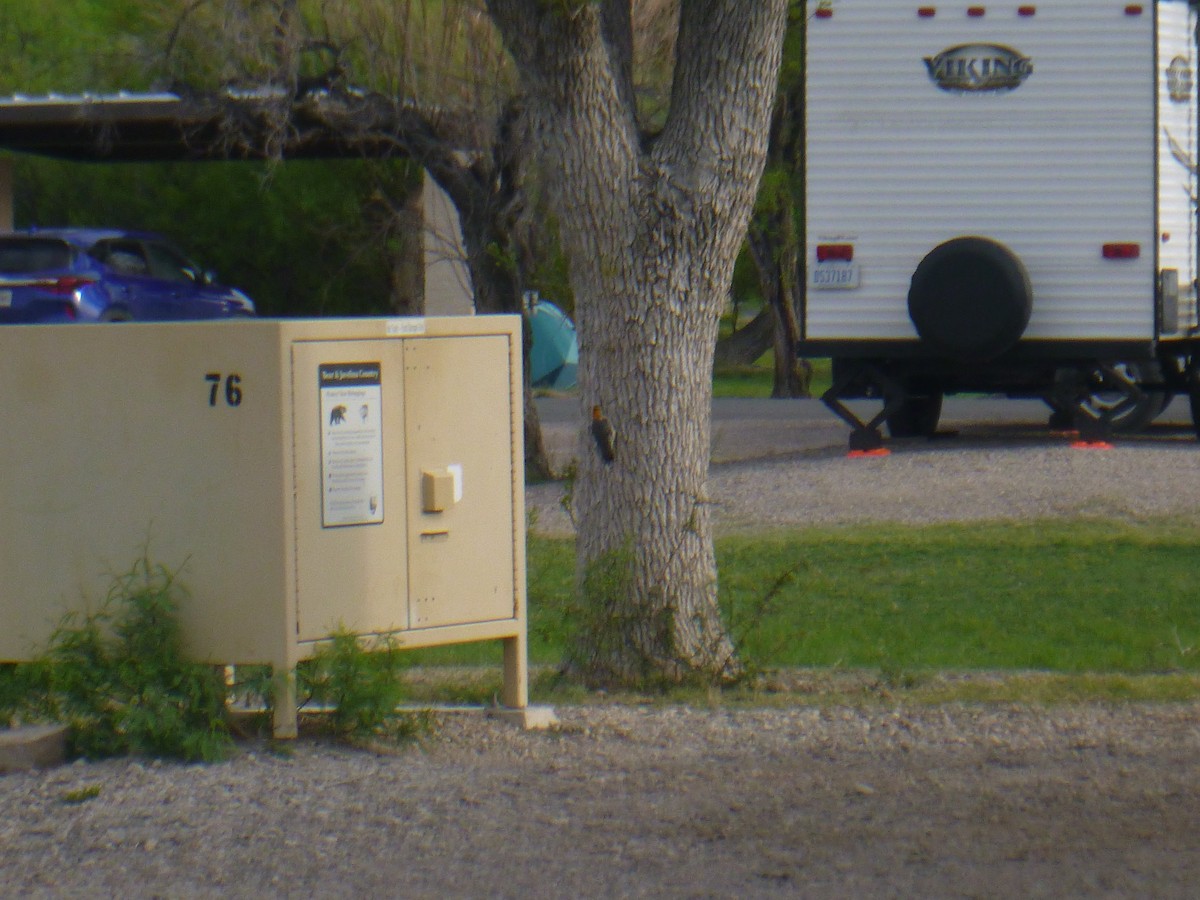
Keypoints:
pixel 5 297
pixel 833 276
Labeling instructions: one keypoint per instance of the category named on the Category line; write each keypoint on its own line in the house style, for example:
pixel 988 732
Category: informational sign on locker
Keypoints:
pixel 351 444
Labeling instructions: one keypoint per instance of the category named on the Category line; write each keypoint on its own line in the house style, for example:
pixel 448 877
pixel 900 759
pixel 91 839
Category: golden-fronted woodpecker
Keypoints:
pixel 604 436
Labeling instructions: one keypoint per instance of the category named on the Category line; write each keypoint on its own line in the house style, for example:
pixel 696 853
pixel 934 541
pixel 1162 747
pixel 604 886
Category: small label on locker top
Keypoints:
pixel 402 327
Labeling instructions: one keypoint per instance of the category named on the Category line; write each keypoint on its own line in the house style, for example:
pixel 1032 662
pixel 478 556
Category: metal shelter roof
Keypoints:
pixel 149 127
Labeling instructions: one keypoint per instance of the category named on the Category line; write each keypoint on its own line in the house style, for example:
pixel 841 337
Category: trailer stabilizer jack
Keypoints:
pixel 871 382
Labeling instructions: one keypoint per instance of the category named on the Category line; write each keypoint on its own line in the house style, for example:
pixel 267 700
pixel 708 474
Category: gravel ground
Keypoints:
pixel 791 469
pixel 878 801
pixel 629 801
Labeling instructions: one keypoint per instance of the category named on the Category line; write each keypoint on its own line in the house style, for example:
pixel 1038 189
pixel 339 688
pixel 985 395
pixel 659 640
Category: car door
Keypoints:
pixel 132 289
pixel 184 285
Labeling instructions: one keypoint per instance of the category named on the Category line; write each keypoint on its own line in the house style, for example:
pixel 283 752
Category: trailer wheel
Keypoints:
pixel 1139 416
pixel 1098 400
pixel 970 299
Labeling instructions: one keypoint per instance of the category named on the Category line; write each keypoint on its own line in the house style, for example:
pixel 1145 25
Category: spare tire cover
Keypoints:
pixel 970 298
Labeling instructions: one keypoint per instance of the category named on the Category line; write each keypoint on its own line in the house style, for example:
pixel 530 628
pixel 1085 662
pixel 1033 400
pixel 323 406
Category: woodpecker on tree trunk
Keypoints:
pixel 604 436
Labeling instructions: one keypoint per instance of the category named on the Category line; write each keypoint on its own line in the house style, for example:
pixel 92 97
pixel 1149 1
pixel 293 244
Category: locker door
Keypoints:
pixel 351 520
pixel 459 412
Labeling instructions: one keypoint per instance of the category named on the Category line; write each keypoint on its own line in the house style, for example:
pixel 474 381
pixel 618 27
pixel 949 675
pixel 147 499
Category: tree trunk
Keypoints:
pixel 749 342
pixel 652 230
pixel 774 249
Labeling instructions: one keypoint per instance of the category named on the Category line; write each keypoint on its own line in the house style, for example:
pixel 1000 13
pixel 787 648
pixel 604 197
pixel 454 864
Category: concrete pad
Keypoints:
pixel 531 718
pixel 32 747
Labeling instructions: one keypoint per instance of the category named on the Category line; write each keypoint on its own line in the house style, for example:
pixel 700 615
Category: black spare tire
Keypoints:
pixel 970 299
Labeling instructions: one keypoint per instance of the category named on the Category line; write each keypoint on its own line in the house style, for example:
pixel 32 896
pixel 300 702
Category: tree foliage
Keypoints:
pixel 105 43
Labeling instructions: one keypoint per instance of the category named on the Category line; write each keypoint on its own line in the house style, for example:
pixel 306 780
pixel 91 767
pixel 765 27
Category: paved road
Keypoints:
pixel 751 428
pixel 784 463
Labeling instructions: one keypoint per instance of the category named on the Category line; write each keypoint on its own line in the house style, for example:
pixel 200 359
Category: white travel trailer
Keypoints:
pixel 1001 196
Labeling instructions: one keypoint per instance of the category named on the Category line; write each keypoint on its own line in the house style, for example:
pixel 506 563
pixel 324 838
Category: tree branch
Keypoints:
pixel 616 27
pixel 700 120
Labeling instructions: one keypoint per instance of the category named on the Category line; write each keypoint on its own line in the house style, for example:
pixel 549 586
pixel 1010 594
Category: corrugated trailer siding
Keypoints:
pixel 1177 157
pixel 1054 169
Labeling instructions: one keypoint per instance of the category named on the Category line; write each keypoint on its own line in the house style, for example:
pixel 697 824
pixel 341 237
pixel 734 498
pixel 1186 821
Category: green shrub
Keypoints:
pixel 119 679
pixel 359 688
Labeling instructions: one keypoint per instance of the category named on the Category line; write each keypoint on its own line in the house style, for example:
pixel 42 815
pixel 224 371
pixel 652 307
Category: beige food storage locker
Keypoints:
pixel 302 475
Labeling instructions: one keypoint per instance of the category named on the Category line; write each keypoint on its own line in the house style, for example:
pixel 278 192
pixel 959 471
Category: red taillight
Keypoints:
pixel 1133 9
pixel 1121 251
pixel 1026 10
pixel 835 252
pixel 927 12
pixel 976 12
pixel 824 12
pixel 68 284
pixel 70 311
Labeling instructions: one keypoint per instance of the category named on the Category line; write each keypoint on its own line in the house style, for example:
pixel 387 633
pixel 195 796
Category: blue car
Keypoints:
pixel 106 275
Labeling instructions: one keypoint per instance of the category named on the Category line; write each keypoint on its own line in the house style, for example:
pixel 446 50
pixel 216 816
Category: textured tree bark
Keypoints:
pixel 408 262
pixel 652 229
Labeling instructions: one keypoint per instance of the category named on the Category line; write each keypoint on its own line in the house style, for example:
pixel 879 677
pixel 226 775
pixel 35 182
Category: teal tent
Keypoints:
pixel 554 353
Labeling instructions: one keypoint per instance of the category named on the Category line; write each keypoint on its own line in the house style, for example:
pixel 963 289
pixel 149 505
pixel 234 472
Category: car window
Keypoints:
pixel 169 264
pixel 22 255
pixel 125 257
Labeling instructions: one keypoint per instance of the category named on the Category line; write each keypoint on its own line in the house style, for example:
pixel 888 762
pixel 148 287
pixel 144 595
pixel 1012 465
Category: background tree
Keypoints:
pixel 651 224
pixel 428 80
pixel 773 239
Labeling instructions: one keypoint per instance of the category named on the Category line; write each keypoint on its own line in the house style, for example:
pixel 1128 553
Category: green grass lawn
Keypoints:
pixel 758 379
pixel 1056 596
pixel 1067 597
